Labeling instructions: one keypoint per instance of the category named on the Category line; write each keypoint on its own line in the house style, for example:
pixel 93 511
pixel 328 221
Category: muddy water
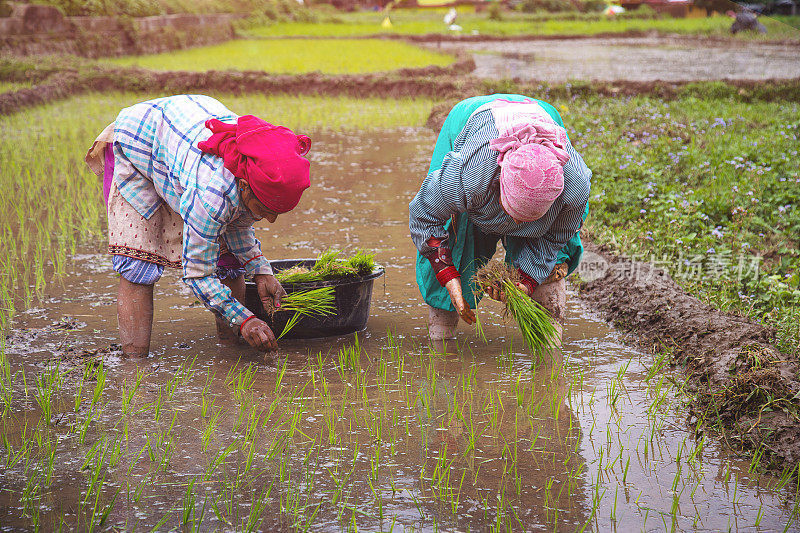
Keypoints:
pixel 403 437
pixel 635 59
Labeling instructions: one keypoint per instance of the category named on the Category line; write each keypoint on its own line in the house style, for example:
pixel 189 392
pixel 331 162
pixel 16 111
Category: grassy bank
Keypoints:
pixel 295 56
pixel 12 86
pixel 420 22
pixel 704 187
pixel 54 202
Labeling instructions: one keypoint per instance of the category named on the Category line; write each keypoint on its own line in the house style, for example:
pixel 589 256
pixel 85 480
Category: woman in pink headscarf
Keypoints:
pixel 503 169
pixel 184 180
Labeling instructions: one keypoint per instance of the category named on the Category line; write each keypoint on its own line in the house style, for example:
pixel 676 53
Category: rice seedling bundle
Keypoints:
pixel 297 274
pixel 534 321
pixel 312 302
pixel 329 266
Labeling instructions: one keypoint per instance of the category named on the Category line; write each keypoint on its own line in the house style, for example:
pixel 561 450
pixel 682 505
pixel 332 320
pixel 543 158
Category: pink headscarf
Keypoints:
pixel 532 157
pixel 269 158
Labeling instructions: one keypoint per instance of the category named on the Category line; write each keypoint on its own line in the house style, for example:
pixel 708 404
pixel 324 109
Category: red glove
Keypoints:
pixel 441 261
pixel 528 281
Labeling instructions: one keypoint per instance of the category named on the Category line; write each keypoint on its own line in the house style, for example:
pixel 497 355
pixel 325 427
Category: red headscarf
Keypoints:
pixel 269 158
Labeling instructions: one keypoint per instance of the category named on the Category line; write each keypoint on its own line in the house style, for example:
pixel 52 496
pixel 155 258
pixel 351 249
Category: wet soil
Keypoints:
pixel 630 59
pixel 737 374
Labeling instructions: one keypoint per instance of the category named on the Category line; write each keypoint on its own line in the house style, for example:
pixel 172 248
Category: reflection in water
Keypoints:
pixel 378 432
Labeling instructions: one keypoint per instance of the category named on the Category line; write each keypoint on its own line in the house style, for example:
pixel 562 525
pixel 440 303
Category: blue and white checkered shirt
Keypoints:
pixel 159 138
pixel 468 182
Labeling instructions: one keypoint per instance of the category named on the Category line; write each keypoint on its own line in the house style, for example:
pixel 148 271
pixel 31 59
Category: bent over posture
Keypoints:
pixel 503 169
pixel 184 181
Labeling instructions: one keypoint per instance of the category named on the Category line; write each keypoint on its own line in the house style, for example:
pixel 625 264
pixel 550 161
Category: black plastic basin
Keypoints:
pixel 352 299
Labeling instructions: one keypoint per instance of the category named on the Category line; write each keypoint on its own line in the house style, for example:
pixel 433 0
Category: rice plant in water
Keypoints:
pixel 534 321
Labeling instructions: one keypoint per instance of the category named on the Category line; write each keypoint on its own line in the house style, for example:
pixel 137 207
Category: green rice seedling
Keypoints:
pixel 349 357
pixel 78 397
pixel 189 499
pixel 100 376
pixel 241 379
pixel 479 328
pixel 312 302
pixel 183 374
pixel 159 404
pixel 30 498
pixel 129 393
pixel 294 56
pixel 362 262
pixel 47 385
pixel 85 426
pixel 534 321
pixel 210 430
pixel 329 266
pixel 206 405
pixel 279 377
pixel 298 274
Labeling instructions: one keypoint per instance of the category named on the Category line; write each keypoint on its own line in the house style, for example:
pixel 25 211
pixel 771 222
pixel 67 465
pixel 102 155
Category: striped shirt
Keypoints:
pixel 157 162
pixel 468 182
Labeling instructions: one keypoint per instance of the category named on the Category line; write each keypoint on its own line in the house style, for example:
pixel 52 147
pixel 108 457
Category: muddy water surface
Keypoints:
pixel 635 59
pixel 379 432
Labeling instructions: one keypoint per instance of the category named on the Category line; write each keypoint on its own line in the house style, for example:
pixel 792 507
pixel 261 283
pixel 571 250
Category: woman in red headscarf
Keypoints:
pixel 184 181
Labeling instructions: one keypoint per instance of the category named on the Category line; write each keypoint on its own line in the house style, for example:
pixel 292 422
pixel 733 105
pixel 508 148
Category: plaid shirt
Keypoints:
pixel 468 182
pixel 161 164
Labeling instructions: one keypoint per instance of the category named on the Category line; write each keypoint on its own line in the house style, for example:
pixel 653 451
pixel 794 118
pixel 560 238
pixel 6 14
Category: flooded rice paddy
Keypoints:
pixel 634 59
pixel 379 432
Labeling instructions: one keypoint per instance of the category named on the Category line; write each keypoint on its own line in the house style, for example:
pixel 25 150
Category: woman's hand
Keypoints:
pixel 259 335
pixel 496 293
pixel 457 297
pixel 269 290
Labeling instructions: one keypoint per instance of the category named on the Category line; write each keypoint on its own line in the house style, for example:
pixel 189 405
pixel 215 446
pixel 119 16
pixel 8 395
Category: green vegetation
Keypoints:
pixel 6 86
pixel 52 202
pixel 294 56
pixel 706 188
pixel 416 22
pixel 273 9
pixel 329 266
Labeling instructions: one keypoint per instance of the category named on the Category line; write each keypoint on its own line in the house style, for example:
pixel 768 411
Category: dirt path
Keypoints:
pixel 736 374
